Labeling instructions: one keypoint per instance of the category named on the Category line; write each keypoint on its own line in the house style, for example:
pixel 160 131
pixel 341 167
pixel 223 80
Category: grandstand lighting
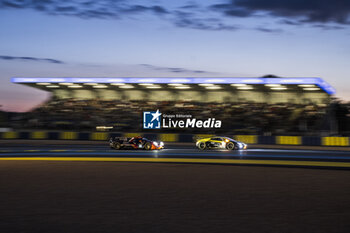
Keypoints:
pixel 245 88
pixel 175 84
pixel 306 85
pixel 205 84
pixel 43 84
pixel 91 84
pixel 214 80
pixel 278 88
pixel 75 86
pixel 182 87
pixel 117 84
pixel 126 86
pixel 100 86
pixel 180 80
pixel 238 85
pixel 311 89
pixel 213 87
pixel 146 84
pixel 52 86
pixel 272 85
pixel 66 84
pixel 153 87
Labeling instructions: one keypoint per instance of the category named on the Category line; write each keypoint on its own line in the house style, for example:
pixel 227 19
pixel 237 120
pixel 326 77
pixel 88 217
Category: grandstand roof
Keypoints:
pixel 210 83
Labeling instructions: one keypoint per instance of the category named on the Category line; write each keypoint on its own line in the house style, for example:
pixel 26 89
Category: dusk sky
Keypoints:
pixel 238 38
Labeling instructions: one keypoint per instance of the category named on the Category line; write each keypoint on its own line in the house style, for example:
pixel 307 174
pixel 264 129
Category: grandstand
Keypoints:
pixel 258 90
pixel 268 105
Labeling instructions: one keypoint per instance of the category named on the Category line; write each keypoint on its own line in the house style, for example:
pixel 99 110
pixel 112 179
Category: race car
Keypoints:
pixel 219 142
pixel 134 143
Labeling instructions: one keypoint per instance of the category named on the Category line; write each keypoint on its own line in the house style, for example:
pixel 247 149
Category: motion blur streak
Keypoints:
pixel 206 161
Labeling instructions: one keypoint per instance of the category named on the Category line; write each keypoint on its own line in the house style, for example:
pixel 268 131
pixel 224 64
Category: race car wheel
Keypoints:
pixel 230 146
pixel 117 145
pixel 201 146
pixel 148 146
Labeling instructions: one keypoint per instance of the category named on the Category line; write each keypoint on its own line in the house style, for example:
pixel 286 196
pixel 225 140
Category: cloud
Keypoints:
pixel 175 69
pixel 328 27
pixel 190 20
pixel 190 15
pixel 268 30
pixel 187 16
pixel 84 8
pixel 193 15
pixel 191 5
pixel 35 59
pixel 232 10
pixel 141 8
pixel 299 11
pixel 290 22
pixel 55 61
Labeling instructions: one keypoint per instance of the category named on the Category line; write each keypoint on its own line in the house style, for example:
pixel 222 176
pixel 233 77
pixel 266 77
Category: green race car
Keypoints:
pixel 219 142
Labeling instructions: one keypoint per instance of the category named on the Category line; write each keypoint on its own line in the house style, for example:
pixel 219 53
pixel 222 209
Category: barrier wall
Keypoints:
pixel 168 137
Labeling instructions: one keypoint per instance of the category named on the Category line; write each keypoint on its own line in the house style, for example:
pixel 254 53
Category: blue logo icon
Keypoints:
pixel 151 120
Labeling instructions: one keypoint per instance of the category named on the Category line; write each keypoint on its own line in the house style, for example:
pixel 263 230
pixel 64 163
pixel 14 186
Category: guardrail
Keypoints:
pixel 169 137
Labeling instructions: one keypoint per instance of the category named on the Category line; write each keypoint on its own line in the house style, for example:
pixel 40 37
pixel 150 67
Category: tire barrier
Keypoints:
pixel 169 137
pixel 288 140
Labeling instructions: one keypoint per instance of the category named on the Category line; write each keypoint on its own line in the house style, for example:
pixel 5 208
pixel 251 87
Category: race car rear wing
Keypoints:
pixel 201 136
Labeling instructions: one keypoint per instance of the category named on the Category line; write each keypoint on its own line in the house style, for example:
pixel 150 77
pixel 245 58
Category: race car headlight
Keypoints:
pixel 155 143
pixel 240 145
pixel 161 143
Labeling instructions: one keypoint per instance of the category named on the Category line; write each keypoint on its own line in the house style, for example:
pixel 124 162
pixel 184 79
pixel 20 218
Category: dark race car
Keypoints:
pixel 134 143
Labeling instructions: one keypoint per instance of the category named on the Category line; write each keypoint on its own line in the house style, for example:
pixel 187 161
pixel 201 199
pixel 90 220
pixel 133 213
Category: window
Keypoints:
pixel 216 139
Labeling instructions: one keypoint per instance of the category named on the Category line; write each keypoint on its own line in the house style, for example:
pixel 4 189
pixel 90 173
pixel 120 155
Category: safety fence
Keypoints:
pixel 168 137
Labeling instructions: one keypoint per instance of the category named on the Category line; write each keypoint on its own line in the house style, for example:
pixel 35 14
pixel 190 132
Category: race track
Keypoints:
pixel 175 153
pixel 72 187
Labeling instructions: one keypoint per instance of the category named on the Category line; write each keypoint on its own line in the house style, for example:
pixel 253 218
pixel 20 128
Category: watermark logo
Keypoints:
pixel 151 120
pixel 157 120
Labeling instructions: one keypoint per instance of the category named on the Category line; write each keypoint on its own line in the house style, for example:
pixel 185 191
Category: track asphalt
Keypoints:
pixel 176 153
pixel 70 188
